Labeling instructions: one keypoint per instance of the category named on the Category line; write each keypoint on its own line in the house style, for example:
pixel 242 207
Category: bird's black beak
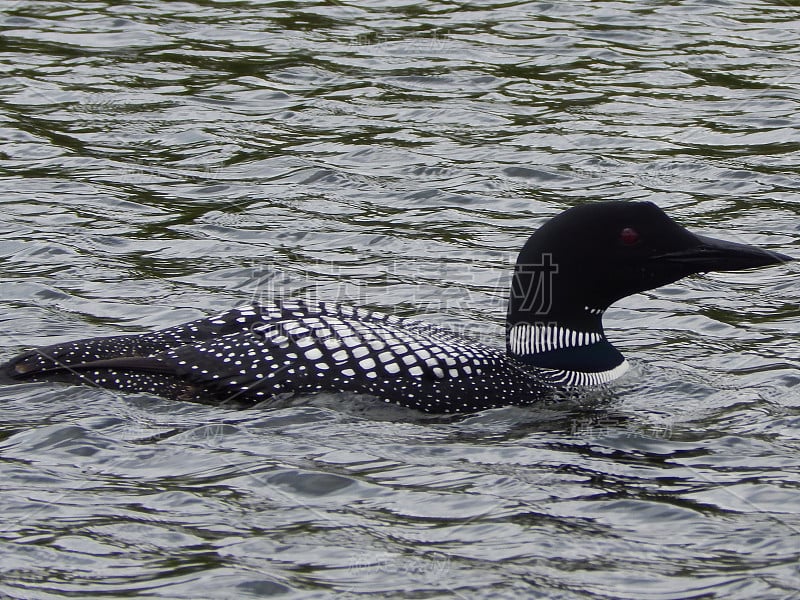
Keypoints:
pixel 710 254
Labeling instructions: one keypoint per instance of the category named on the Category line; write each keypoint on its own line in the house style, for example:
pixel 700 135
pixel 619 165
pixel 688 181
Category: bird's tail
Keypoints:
pixel 150 374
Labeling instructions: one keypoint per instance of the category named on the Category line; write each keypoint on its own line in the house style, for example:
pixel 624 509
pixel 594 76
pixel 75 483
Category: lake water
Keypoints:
pixel 164 160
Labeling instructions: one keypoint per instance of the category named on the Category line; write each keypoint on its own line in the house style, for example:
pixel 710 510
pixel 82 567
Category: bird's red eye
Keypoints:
pixel 629 236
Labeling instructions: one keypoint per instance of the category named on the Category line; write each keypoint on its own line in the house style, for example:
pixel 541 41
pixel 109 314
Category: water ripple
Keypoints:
pixel 161 161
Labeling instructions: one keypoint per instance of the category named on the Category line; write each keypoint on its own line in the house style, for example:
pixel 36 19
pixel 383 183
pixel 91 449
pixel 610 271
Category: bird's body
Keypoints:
pixel 567 274
pixel 247 355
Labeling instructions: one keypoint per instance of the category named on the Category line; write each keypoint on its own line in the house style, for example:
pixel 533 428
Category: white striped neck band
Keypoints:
pixel 526 338
pixel 564 377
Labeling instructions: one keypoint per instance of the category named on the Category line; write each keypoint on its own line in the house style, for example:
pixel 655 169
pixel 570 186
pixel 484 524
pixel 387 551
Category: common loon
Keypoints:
pixel 568 273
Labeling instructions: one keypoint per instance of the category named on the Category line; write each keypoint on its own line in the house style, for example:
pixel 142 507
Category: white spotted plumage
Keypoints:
pixel 255 353
pixel 328 346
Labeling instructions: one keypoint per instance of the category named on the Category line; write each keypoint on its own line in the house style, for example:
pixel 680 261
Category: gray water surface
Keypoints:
pixel 164 160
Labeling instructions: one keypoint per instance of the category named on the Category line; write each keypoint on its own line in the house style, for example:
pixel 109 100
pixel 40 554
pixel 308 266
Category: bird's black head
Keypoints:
pixel 589 256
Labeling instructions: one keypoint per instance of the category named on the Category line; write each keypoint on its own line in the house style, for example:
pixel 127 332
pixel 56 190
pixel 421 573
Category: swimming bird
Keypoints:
pixel 568 273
